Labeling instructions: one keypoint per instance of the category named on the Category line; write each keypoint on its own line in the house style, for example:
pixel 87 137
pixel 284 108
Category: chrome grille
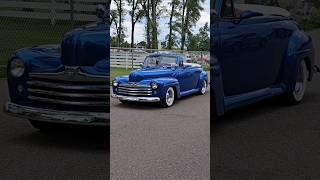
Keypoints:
pixel 63 91
pixel 134 90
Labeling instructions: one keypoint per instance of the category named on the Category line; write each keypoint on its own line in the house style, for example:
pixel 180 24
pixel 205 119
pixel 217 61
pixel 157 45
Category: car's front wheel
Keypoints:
pixel 296 96
pixel 169 98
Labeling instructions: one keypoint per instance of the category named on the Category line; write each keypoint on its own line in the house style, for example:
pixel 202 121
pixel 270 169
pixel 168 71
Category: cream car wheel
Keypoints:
pixel 169 98
pixel 204 87
pixel 301 82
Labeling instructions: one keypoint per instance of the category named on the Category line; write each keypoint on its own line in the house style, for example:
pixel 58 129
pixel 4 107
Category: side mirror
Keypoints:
pixel 248 14
pixel 102 12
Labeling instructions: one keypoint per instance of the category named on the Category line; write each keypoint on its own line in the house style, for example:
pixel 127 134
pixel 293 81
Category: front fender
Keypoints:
pixel 164 84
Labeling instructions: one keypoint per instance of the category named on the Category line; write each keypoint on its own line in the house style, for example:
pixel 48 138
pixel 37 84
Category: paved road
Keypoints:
pixel 25 153
pixel 270 140
pixel 149 142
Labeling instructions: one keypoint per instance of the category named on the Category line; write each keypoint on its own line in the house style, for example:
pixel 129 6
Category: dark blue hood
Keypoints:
pixel 85 46
pixel 150 73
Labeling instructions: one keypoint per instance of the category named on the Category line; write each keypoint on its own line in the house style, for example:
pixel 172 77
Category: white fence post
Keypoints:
pixel 53 12
pixel 126 60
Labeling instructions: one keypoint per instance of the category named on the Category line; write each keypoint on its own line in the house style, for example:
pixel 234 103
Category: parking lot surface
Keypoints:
pixel 150 142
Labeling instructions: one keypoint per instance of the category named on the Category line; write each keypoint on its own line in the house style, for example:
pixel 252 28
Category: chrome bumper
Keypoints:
pixel 138 99
pixel 69 117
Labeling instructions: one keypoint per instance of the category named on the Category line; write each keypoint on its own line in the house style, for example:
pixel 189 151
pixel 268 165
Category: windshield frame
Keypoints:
pixel 176 63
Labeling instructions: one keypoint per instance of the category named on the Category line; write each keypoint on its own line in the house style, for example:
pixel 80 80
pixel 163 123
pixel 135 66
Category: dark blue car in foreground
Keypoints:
pixel 257 52
pixel 67 83
pixel 162 78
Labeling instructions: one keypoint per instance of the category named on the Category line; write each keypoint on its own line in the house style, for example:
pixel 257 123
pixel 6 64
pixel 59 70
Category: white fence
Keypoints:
pixel 74 10
pixel 131 58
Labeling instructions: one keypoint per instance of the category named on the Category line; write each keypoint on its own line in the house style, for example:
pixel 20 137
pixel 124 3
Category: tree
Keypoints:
pixel 118 14
pixel 136 14
pixel 171 38
pixel 200 41
pixel 190 15
pixel 152 11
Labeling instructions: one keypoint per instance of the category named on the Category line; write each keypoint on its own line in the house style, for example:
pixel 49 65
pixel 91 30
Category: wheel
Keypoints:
pixel 169 99
pixel 204 87
pixel 43 126
pixel 296 96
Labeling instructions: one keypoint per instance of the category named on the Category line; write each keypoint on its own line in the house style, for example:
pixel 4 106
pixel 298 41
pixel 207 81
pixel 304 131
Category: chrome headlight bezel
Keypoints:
pixel 154 85
pixel 17 68
pixel 115 83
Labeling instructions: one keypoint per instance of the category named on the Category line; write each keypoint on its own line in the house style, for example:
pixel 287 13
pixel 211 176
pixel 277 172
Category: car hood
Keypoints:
pixel 150 73
pixel 46 59
pixel 85 46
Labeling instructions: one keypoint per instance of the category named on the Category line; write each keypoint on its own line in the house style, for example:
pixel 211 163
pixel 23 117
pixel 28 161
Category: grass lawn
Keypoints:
pixel 118 72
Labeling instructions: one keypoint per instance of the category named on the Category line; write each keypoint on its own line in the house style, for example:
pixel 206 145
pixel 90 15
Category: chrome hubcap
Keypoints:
pixel 301 82
pixel 204 87
pixel 170 96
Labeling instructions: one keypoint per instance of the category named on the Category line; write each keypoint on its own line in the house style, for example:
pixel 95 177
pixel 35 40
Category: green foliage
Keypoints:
pixel 200 41
pixel 309 22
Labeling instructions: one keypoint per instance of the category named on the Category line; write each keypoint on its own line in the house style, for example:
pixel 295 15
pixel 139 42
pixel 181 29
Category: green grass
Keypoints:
pixel 118 72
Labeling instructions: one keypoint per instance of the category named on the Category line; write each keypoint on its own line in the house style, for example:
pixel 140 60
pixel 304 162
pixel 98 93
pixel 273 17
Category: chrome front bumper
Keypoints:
pixel 134 98
pixel 69 117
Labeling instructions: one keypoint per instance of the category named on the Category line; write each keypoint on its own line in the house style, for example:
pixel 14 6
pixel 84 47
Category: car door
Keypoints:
pixel 185 77
pixel 250 51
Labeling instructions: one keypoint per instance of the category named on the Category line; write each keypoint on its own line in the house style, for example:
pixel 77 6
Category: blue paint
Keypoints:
pixel 254 58
pixel 186 80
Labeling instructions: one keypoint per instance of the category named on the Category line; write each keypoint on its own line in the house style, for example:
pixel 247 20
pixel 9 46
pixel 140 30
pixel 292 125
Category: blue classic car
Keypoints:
pixel 162 78
pixel 67 83
pixel 257 52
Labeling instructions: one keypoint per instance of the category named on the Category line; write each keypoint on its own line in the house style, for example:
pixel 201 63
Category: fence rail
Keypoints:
pixel 132 58
pixel 74 10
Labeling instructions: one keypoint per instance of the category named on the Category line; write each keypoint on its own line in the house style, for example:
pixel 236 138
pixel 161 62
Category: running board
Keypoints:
pixel 236 101
pixel 192 91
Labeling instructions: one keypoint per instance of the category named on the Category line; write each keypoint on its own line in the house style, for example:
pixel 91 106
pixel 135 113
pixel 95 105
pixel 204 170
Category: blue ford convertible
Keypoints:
pixel 67 83
pixel 162 78
pixel 257 52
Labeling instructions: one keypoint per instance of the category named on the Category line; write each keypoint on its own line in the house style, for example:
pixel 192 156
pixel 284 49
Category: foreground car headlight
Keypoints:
pixel 17 68
pixel 115 83
pixel 154 85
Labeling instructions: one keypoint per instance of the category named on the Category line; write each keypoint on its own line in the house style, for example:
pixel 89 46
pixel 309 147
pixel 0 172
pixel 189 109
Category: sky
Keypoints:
pixel 163 23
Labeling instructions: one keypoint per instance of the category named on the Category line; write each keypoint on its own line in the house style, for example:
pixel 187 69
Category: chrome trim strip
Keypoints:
pixel 54 93
pixel 135 89
pixel 69 87
pixel 63 102
pixel 135 94
pixel 134 86
pixel 139 99
pixel 70 117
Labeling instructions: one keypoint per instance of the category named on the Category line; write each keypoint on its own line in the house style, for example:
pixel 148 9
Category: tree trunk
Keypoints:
pixel 154 25
pixel 170 43
pixel 183 30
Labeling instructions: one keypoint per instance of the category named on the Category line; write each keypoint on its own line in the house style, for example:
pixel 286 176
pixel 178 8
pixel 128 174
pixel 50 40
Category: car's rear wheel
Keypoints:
pixel 296 96
pixel 204 87
pixel 169 98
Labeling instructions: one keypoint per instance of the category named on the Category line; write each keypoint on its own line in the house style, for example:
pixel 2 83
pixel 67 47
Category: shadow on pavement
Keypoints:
pixel 75 139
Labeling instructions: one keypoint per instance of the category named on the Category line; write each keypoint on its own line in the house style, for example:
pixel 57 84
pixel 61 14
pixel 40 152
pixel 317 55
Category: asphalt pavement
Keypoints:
pixel 150 142
pixel 26 153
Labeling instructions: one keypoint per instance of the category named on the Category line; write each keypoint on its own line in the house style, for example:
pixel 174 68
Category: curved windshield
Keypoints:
pixel 160 61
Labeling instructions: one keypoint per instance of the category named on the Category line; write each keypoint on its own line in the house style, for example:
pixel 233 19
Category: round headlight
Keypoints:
pixel 154 85
pixel 115 83
pixel 17 68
